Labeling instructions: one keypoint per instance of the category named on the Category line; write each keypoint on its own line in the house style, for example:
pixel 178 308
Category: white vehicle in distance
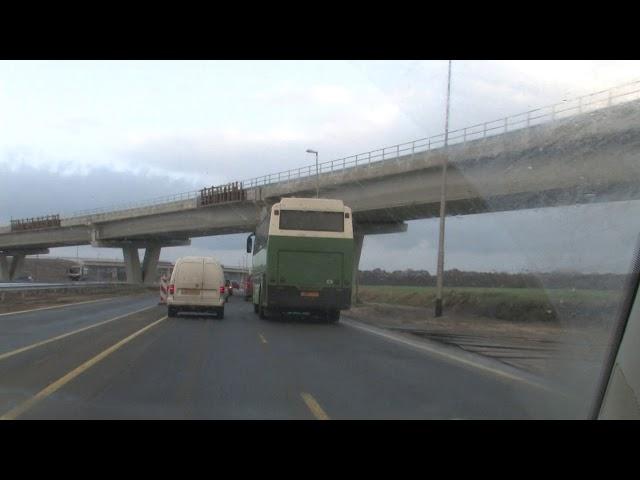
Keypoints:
pixel 197 285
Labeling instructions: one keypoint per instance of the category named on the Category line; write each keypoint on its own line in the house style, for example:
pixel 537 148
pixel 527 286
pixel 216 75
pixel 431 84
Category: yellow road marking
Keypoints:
pixel 59 337
pixel 57 306
pixel 262 339
pixel 314 406
pixel 55 386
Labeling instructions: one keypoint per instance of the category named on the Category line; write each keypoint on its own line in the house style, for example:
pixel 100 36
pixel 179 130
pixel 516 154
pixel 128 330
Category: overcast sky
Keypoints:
pixel 79 135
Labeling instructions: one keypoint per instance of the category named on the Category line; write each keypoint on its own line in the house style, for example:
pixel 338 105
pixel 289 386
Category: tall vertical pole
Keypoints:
pixel 443 198
pixel 317 178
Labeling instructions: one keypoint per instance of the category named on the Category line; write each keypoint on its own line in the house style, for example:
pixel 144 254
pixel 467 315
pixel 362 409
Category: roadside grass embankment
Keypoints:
pixel 510 304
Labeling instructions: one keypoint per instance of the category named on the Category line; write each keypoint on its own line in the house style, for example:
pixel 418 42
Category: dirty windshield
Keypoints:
pixel 317 240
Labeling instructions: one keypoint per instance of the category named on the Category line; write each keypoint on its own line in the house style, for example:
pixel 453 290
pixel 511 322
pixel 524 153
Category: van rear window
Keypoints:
pixel 311 221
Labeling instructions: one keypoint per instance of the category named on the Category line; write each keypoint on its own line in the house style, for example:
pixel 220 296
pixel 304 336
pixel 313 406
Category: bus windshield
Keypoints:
pixel 312 221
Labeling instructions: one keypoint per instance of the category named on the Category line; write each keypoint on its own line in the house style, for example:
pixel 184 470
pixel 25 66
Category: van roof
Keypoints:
pixel 197 259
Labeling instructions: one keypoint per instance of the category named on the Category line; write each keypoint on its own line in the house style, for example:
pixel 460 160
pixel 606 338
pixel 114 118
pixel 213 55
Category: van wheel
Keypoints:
pixel 171 312
pixel 221 313
pixel 255 308
pixel 262 312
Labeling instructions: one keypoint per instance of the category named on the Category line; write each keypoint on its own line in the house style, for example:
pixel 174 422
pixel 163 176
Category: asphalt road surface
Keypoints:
pixel 122 358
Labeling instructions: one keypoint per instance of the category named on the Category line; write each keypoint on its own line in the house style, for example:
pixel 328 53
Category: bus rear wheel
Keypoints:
pixel 332 316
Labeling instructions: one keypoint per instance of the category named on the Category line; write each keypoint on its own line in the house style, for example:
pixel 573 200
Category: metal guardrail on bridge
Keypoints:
pixel 567 108
pixel 231 192
pixel 36 223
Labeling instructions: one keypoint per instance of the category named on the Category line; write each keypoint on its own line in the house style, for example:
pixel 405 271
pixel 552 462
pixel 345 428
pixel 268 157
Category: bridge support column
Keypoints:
pixel 132 264
pixel 150 264
pixel 17 265
pixel 4 269
pixel 9 270
pixel 147 272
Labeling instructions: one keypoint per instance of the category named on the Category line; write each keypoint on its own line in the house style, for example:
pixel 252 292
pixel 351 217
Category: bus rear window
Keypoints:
pixel 311 221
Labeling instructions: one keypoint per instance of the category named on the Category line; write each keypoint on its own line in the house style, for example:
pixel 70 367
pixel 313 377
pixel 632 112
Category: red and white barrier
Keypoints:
pixel 163 290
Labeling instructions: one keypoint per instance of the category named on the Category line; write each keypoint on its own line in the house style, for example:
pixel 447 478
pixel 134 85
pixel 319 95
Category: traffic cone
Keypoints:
pixel 163 290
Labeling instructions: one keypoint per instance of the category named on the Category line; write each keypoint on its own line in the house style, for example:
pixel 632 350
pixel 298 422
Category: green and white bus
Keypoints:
pixel 303 258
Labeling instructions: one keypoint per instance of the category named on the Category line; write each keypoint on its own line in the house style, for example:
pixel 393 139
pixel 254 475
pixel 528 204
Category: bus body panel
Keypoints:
pixel 308 273
pixel 258 269
pixel 310 262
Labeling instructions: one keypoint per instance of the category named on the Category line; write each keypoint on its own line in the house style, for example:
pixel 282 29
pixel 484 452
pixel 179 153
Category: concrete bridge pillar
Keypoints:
pixel 4 269
pixel 150 264
pixel 147 272
pixel 9 270
pixel 132 264
pixel 17 265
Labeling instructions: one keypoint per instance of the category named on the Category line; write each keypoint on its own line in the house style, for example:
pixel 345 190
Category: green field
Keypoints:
pixel 504 303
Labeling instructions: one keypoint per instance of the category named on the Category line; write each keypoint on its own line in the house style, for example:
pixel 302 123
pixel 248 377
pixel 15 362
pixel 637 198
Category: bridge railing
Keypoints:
pixel 538 116
pixel 139 204
pixel 37 223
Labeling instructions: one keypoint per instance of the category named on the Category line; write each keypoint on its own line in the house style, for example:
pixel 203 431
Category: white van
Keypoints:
pixel 196 285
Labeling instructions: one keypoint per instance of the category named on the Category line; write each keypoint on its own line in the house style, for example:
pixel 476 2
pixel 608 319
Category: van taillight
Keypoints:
pixel 172 289
pixel 222 290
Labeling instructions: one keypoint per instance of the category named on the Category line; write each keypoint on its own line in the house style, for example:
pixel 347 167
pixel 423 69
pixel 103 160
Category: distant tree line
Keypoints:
pixel 459 278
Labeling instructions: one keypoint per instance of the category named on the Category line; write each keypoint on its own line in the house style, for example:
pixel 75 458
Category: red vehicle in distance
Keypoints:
pixel 248 288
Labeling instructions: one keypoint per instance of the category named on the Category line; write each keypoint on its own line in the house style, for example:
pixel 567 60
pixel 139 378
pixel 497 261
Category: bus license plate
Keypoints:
pixel 310 294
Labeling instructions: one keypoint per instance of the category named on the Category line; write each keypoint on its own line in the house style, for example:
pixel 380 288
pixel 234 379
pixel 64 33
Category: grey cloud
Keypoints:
pixel 217 160
pixel 588 238
pixel 29 191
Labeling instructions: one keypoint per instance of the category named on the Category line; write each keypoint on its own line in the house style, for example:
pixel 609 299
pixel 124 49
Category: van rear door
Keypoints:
pixel 213 279
pixel 188 282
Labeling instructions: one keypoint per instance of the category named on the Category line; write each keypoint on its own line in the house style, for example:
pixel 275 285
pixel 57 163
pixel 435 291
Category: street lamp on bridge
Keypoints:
pixel 317 172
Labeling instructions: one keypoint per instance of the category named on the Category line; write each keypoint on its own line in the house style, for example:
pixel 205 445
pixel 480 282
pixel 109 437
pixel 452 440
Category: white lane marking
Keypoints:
pixel 58 306
pixel 454 358
pixel 64 335
pixel 314 406
pixel 62 381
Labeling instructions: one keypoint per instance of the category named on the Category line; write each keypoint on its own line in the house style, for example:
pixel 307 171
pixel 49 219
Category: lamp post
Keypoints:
pixel 443 199
pixel 317 173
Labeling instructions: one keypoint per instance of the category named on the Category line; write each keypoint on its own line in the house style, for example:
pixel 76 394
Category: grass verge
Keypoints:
pixel 512 304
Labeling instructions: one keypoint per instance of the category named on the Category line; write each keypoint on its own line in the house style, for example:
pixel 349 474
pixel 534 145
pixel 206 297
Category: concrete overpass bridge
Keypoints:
pixel 580 151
